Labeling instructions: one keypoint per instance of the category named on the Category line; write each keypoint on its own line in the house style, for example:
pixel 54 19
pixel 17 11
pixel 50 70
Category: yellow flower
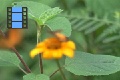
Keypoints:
pixel 53 48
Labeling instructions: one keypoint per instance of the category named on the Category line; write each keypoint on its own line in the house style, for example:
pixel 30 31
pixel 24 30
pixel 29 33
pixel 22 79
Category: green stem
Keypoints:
pixel 62 74
pixel 54 73
pixel 22 70
pixel 38 40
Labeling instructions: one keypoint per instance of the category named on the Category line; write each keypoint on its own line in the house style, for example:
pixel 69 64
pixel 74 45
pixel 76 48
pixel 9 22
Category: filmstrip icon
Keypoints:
pixel 17 18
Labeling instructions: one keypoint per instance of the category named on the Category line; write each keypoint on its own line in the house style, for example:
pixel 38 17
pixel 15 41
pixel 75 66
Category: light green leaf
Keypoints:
pixel 32 76
pixel 89 64
pixel 60 23
pixel 48 14
pixel 39 12
pixel 8 58
pixel 35 9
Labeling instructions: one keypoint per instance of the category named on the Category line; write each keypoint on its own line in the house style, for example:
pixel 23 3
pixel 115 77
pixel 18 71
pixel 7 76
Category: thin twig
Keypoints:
pixel 54 73
pixel 22 61
pixel 18 55
pixel 62 74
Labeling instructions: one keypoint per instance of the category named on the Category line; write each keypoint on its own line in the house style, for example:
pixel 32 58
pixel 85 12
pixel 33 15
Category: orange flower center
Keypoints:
pixel 53 43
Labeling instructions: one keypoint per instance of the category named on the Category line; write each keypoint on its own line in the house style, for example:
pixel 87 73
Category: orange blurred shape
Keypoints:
pixel 59 35
pixel 12 38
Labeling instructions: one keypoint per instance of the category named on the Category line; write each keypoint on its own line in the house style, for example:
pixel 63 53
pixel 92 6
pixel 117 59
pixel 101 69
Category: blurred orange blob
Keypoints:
pixel 59 36
pixel 12 38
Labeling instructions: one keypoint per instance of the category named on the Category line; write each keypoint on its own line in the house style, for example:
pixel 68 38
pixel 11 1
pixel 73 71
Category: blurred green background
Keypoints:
pixel 95 29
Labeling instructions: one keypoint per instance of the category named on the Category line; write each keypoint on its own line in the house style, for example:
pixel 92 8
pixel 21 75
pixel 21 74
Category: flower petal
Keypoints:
pixel 57 54
pixel 68 52
pixel 47 54
pixel 35 51
pixel 71 44
pixel 68 44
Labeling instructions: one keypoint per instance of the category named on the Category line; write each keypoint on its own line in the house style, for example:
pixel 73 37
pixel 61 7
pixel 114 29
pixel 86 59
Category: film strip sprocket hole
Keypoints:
pixel 17 17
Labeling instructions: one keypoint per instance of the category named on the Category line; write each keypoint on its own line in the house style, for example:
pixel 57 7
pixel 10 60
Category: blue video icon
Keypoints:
pixel 17 17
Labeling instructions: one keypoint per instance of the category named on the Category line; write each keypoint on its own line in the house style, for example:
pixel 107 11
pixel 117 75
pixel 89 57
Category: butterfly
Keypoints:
pixel 59 35
pixel 11 38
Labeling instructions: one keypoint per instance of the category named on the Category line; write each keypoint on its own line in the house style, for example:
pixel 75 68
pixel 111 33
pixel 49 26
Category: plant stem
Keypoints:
pixel 62 74
pixel 22 69
pixel 18 55
pixel 55 72
pixel 22 61
pixel 40 57
pixel 41 64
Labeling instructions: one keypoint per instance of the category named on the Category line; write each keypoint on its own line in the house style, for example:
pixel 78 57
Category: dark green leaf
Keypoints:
pixel 89 64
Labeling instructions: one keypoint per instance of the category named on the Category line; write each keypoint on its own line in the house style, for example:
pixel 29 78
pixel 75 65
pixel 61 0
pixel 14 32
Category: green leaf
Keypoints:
pixel 5 4
pixel 103 27
pixel 89 64
pixel 39 12
pixel 8 58
pixel 60 23
pixel 100 7
pixel 35 9
pixel 3 10
pixel 32 76
pixel 112 38
pixel 48 14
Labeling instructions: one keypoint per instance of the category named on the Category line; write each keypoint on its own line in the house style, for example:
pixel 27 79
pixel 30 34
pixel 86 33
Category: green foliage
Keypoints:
pixel 60 23
pixel 101 7
pixel 79 38
pixel 35 11
pixel 44 16
pixel 89 64
pixel 49 14
pixel 32 76
pixel 3 9
pixel 91 24
pixel 103 17
pixel 8 58
pixel 95 29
